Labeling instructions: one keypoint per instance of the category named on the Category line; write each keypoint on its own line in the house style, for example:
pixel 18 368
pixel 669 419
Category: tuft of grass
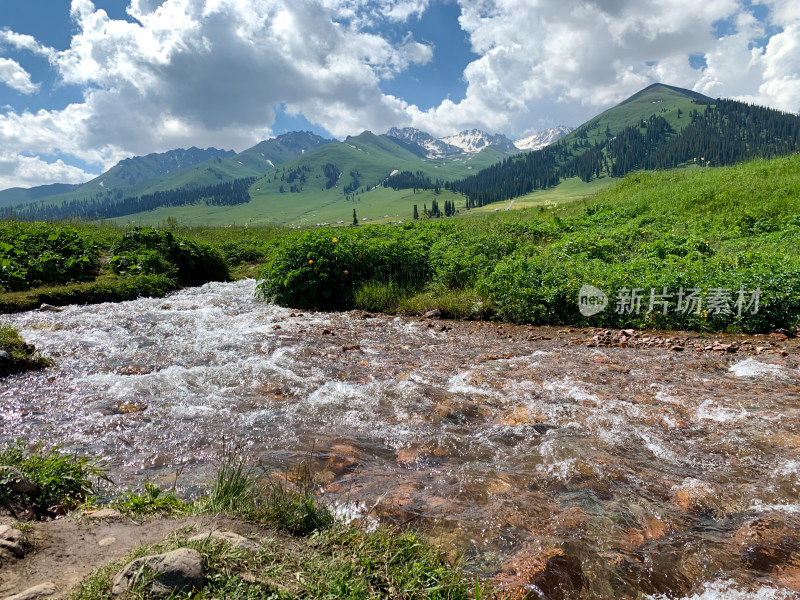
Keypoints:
pixel 378 296
pixel 244 491
pixel 235 486
pixel 464 304
pixel 149 501
pixel 66 479
pixel 294 510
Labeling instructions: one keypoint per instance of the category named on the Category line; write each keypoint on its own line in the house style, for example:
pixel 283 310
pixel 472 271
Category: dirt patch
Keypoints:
pixel 66 550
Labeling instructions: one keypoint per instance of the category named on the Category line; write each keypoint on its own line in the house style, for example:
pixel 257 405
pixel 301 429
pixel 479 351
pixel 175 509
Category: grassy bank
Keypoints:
pixel 711 249
pixel 301 550
pixel 16 355
pixel 58 263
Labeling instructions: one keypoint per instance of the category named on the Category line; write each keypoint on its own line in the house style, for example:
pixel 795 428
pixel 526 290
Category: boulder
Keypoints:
pixel 12 540
pixel 49 308
pixel 178 571
pixel 17 482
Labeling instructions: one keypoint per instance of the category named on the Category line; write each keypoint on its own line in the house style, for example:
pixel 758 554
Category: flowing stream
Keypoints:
pixel 571 471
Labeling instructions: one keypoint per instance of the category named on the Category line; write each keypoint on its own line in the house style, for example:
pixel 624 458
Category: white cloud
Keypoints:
pixel 20 41
pixel 212 72
pixel 15 77
pixel 548 62
pixel 28 171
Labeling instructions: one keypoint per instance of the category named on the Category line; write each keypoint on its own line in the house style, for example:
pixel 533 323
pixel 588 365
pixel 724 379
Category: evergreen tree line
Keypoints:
pixel 406 180
pixel 510 178
pixel 722 134
pixel 113 203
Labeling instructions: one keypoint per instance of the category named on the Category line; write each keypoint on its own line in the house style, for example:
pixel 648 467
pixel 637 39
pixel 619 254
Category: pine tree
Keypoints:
pixel 416 213
pixel 355 218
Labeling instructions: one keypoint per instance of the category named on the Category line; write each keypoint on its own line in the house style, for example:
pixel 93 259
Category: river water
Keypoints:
pixel 567 470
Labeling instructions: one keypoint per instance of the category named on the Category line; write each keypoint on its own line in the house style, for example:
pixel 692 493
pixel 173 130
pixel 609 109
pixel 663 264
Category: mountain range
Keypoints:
pixel 300 178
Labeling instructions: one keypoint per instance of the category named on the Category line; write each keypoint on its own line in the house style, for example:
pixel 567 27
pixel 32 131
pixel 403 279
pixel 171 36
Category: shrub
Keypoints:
pixel 34 254
pixel 147 251
pixel 61 478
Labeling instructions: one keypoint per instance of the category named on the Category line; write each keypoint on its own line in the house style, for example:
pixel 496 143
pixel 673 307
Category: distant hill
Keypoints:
pixel 660 127
pixel 18 195
pixel 134 170
pixel 178 176
pixel 302 179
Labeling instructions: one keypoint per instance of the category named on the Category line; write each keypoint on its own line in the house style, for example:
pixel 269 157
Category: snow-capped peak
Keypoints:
pixel 543 138
pixel 475 140
pixel 433 147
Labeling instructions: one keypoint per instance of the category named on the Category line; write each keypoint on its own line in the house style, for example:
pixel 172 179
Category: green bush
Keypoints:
pixel 147 251
pixel 61 478
pixel 324 268
pixel 33 254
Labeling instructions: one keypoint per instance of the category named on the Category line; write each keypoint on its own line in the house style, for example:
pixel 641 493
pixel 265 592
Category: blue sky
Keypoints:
pixel 86 83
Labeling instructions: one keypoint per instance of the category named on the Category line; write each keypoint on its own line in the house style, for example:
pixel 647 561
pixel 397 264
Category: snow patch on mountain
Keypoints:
pixel 434 148
pixel 475 140
pixel 543 138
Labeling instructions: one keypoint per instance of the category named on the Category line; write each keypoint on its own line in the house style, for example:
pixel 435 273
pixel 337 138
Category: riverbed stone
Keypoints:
pixel 43 590
pixel 343 458
pixel 17 481
pixel 553 573
pixel 180 570
pixel 234 539
pixel 105 513
pixel 769 541
pixel 695 496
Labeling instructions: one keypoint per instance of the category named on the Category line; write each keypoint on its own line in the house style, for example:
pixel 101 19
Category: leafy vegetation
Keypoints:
pixel 728 236
pixel 65 479
pixel 150 500
pixel 34 254
pixel 64 264
pixel 148 251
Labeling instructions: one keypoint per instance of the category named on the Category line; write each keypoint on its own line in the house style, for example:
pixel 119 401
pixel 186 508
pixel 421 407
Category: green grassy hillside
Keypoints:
pixel 325 185
pixel 730 236
pixel 658 99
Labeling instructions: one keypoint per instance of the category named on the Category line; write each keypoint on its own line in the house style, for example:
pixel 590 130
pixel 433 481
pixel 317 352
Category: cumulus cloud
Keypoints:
pixel 548 62
pixel 27 171
pixel 15 77
pixel 212 72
